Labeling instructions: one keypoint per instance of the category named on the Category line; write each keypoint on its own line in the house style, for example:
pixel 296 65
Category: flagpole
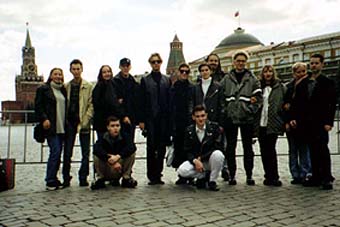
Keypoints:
pixel 239 20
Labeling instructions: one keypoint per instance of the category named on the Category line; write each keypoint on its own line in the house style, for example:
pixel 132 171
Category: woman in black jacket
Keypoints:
pixel 50 109
pixel 105 100
pixel 207 93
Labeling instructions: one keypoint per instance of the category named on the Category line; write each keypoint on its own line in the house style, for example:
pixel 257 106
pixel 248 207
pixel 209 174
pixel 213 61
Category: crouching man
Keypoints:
pixel 114 156
pixel 203 142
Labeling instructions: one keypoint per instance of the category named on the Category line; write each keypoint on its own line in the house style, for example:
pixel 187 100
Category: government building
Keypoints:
pixel 281 55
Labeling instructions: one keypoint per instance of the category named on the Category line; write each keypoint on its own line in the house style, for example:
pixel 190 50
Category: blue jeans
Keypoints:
pixel 299 157
pixel 55 144
pixel 68 152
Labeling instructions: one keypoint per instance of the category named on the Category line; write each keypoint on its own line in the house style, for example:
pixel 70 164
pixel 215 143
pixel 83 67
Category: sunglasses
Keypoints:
pixel 184 71
pixel 156 62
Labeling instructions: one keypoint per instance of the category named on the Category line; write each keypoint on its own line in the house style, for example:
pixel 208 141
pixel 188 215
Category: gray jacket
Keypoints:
pixel 275 123
pixel 236 105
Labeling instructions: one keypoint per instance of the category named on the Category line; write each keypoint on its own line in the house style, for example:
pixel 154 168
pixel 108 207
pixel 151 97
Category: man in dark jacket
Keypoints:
pixel 155 118
pixel 203 142
pixel 180 93
pixel 128 94
pixel 114 156
pixel 323 106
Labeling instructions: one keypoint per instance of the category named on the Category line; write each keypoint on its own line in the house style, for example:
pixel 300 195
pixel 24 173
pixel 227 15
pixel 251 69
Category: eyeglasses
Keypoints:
pixel 156 62
pixel 184 71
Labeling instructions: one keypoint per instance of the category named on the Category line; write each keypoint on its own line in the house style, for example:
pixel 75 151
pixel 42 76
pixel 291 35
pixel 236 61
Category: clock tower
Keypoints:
pixel 28 81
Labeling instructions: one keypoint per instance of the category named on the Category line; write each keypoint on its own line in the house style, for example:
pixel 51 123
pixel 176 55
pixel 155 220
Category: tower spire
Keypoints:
pixel 28 43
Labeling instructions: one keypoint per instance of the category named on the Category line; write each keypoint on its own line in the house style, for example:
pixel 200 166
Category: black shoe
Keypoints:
pixel 157 181
pixel 327 185
pixel 276 183
pixel 67 182
pixel 309 182
pixel 129 183
pixel 83 183
pixel 100 183
pixel 296 181
pixel 181 181
pixel 267 182
pixel 115 183
pixel 201 183
pixel 250 181
pixel 213 186
pixel 53 185
pixel 191 181
pixel 225 174
pixel 232 181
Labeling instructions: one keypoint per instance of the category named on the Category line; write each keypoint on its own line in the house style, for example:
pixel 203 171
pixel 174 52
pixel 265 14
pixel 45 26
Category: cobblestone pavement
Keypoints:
pixel 29 204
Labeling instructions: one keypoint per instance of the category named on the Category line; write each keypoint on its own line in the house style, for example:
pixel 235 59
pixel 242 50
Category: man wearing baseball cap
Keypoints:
pixel 128 94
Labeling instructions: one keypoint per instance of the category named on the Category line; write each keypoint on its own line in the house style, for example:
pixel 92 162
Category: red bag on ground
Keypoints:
pixel 7 174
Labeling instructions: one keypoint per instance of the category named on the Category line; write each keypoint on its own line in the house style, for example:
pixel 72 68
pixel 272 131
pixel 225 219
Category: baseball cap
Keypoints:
pixel 125 61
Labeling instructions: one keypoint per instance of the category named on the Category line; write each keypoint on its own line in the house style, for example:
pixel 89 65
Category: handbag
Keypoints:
pixel 39 133
pixel 170 155
pixel 7 174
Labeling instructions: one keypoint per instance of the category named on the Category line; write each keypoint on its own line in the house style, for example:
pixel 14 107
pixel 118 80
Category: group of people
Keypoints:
pixel 201 120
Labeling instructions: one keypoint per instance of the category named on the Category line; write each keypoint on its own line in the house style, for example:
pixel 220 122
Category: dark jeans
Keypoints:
pixel 268 154
pixel 155 161
pixel 178 141
pixel 299 157
pixel 320 157
pixel 155 152
pixel 68 152
pixel 55 144
pixel 231 131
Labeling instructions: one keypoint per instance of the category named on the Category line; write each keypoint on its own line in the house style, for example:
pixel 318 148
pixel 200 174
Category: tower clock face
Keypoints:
pixel 31 67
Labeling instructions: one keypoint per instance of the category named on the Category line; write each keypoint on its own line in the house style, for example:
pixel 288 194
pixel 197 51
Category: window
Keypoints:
pixel 268 61
pixel 327 53
pixel 252 65
pixel 337 52
pixel 259 64
pixel 296 57
pixel 305 57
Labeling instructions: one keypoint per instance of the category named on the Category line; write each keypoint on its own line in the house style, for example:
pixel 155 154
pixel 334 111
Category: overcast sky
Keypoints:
pixel 104 31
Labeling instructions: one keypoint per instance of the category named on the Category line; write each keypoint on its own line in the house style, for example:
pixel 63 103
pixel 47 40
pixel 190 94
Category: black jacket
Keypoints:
pixel 300 107
pixel 155 108
pixel 218 75
pixel 121 145
pixel 46 106
pixel 180 95
pixel 105 104
pixel 212 140
pixel 323 102
pixel 129 91
pixel 212 101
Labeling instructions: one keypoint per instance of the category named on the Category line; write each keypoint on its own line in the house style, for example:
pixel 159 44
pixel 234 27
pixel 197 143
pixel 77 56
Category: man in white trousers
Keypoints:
pixel 203 142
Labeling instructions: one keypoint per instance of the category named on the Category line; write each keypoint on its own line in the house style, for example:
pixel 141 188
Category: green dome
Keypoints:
pixel 239 39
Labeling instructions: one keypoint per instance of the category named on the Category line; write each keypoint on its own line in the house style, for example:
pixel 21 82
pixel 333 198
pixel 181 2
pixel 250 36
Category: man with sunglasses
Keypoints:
pixel 181 92
pixel 155 118
pixel 242 97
